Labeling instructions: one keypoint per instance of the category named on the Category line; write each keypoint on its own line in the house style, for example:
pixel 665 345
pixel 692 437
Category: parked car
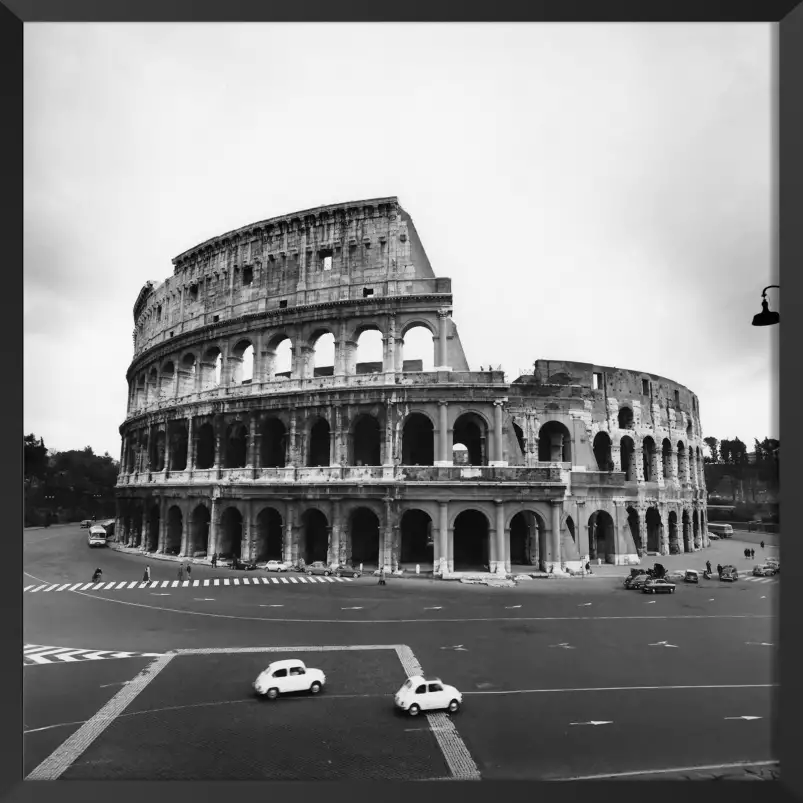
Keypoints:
pixel 347 570
pixel 713 536
pixel 729 574
pixel 86 523
pixel 418 694
pixel 276 566
pixel 691 576
pixel 765 570
pixel 636 581
pixel 318 567
pixel 290 675
pixel 247 566
pixel 773 562
pixel 657 585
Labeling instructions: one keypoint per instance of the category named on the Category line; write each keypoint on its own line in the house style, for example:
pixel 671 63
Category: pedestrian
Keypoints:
pixel 382 576
pixel 97 575
pixel 719 569
pixel 189 572
pixel 752 553
pixel 762 545
pixel 708 566
pixel 146 578
pixel 588 567
pixel 214 559
pixel 181 572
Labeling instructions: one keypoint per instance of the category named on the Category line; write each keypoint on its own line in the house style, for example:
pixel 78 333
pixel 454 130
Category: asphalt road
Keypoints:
pixel 666 680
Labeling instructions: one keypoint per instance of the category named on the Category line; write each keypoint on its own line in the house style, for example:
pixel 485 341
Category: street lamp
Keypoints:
pixel 765 317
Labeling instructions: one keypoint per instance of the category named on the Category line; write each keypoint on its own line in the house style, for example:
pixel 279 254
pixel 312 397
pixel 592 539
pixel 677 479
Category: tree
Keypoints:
pixel 35 457
pixel 713 445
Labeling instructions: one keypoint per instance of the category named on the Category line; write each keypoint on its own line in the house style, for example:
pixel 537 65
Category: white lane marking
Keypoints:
pixel 699 768
pixel 760 643
pixel 69 657
pixel 69 751
pixel 51 588
pixel 652 602
pixel 711 600
pixel 196 583
pixel 744 717
pixel 34 648
pixel 72 588
pixel 204 599
pixel 302 579
pixel 60 588
pixel 434 608
pixel 236 581
pixel 116 683
pixel 293 580
pixel 284 580
pixel 458 759
pixel 629 688
pixel 458 647
pixel 174 583
pixel 511 607
pixel 40 588
pixel 41 657
pixel 662 644
pixel 206 582
pixel 271 606
pixel 131 585
pixel 585 604
pixel 153 594
pixel 594 722
pixel 273 580
pixel 355 608
pixel 120 585
pixel 121 655
pixel 565 645
pixel 763 597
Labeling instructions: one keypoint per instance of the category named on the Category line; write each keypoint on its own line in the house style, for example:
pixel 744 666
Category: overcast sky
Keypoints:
pixel 597 193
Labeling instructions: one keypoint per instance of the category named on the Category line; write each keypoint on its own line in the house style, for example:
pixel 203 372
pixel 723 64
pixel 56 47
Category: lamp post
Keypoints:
pixel 765 317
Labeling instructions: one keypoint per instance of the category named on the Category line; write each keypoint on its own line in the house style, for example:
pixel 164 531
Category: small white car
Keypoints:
pixel 276 566
pixel 418 694
pixel 290 675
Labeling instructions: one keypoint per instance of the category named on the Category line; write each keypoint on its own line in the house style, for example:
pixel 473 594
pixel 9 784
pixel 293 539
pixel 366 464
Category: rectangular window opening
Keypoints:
pixel 596 381
pixel 282 304
pixel 367 291
pixel 677 398
pixel 645 387
pixel 159 313
pixel 215 318
pixel 248 276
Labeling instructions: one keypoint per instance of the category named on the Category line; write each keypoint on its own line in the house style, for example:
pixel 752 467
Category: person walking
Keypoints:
pixel 588 567
pixel 181 572
pixel 762 545
pixel 382 576
pixel 146 577
pixel 214 559
pixel 708 566
pixel 719 569
pixel 97 575
pixel 752 554
pixel 189 572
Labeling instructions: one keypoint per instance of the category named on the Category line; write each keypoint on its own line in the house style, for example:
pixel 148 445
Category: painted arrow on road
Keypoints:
pixel 662 644
pixel 198 599
pixel 510 607
pixel 435 608
pixel 744 717
pixel 456 647
pixel 760 643
pixel 271 606
pixel 159 595
pixel 355 608
pixel 652 602
pixel 565 645
pixel 584 604
pixel 594 722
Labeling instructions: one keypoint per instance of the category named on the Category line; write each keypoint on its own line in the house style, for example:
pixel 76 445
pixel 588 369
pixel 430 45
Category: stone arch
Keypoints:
pixel 415 323
pixel 418 348
pixel 683 473
pixel 140 394
pixel 167 378
pixel 417 542
pixel 210 366
pixel 175 529
pixel 318 449
pixel 314 536
pixel 654 530
pixel 364 537
pixel 274 443
pixel 322 345
pixel 695 523
pixel 152 386
pixel 154 520
pixel 648 458
pixel 241 360
pixel 471 541
pixel 368 349
pixel 602 537
pixel 205 451
pixel 527 531
pixel 199 530
pixel 158 446
pixel 186 374
pixel 471 430
pixel 690 429
pixel 269 542
pixel 520 439
pixel 178 445
pixel 236 453
pixel 554 443
pixel 230 541
pixel 627 451
pixel 366 441
pixel 666 458
pixel 279 357
pixel 418 440
pixel 602 451
pixel 674 543
pixel 634 529
pixel 625 418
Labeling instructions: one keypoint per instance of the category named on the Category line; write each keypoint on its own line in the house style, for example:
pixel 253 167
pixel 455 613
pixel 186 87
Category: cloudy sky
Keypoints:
pixel 598 193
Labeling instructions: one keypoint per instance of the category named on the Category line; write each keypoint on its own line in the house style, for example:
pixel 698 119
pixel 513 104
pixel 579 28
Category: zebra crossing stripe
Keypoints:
pixel 51 587
pixel 27 588
pixel 246 581
pixel 195 583
pixel 120 585
pixel 61 588
pixel 72 588
pixel 349 579
pixel 185 583
pixel 285 580
pixel 69 657
pixel 329 579
pixel 109 585
pixel 216 582
pixel 302 579
pixel 226 581
pixel 236 581
pixel 339 579
pixel 265 581
pixel 174 584
pixel 273 580
pixel 87 586
pixel 293 580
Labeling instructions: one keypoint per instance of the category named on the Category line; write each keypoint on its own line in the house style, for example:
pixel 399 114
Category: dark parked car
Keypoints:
pixel 247 566
pixel 636 581
pixel 346 570
pixel 318 567
pixel 657 585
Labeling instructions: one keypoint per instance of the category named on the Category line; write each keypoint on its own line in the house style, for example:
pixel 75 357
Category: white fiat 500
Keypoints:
pixel 286 676
pixel 418 694
pixel 276 566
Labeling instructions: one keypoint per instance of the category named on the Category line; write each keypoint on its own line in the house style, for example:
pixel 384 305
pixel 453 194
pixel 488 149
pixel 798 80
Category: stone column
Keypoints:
pixel 287 552
pixel 642 529
pixel 499 455
pixel 386 539
pixel 192 444
pixel 213 529
pixel 443 538
pixel 334 544
pixel 664 541
pixel 388 461
pixel 162 525
pixel 557 507
pixel 292 452
pixel 616 456
pixel 146 528
pixel 388 346
pixel 673 462
pixel 443 435
pixel 583 550
pixel 501 540
pixel 185 534
pixel 443 323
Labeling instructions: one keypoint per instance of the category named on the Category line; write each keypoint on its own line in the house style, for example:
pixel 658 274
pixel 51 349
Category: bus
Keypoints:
pixel 97 536
pixel 721 529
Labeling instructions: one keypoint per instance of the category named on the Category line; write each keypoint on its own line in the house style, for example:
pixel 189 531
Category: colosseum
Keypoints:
pixel 299 392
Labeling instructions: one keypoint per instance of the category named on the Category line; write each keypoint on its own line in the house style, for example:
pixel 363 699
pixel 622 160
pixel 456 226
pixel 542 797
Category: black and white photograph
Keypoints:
pixel 400 401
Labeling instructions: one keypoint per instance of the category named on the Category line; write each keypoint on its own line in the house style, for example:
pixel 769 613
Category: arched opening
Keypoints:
pixel 152 387
pixel 418 441
pixel 602 451
pixel 369 352
pixel 674 544
pixel 280 360
pixel 158 451
pixel 418 349
pixel 633 526
pixel 471 431
pixel 269 541
pixel 625 418
pixel 186 375
pixel 167 382
pixel 364 530
pixel 695 522
pixel 520 439
pixel 366 442
pixel 315 543
pixel 236 445
pixel 471 545
pixel 686 531
pixel 323 355
pixel 140 394
pixel 242 361
pixel 666 459
pixel 417 544
pixel 210 367
pixel 689 429
pixel 700 463
pixel 319 436
pixel 205 454
pixel 601 537
pixel 570 527
pixel 654 527
pixel 460 455
pixel 175 525
pixel 178 445
pixel 199 530
pixel 554 443
pixel 135 527
pixel 274 444
pixel 231 533
pixel 154 520
pixel 647 456
pixel 682 474
pixel 627 451
pixel 524 539
pixel 692 469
